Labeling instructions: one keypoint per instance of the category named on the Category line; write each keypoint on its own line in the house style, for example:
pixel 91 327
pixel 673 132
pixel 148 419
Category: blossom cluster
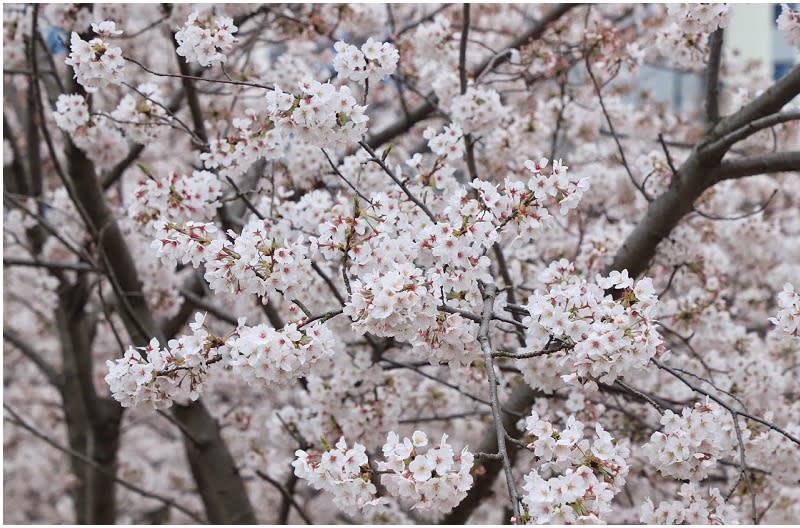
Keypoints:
pixel 204 39
pixel 691 443
pixel 692 508
pixel 448 144
pixel 522 207
pixel 71 113
pixel 679 47
pixel 256 261
pixel 397 303
pixel 318 114
pixel 175 198
pixel 278 357
pixel 430 480
pixel 103 143
pixel 322 114
pixel 583 477
pixel 342 472
pixel 373 62
pixel 477 110
pixel 788 317
pixel 159 376
pixel 789 25
pixel 95 62
pixel 143 121
pixel 700 18
pixel 250 138
pixel 433 478
pixel 591 336
pixel 451 339
pixel 370 400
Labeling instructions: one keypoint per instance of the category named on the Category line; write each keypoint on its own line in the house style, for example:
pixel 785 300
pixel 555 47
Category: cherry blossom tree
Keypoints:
pixel 374 263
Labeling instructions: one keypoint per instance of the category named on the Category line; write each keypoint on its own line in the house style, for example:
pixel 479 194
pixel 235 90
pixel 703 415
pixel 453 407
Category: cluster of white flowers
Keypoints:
pixel 452 340
pixel 189 242
pixel 250 138
pixel 522 206
pixel 278 356
pixel 700 18
pixel 159 376
pixel 584 475
pixel 691 443
pixel 343 472
pixel 598 338
pixel 71 113
pixel 176 198
pixel 103 143
pixel 448 144
pixel 369 400
pixel 679 48
pixel 142 121
pixel 435 48
pixel 693 508
pixel 788 317
pixel 374 62
pixel 205 39
pixel 429 480
pixel 789 25
pixel 321 115
pixel 395 303
pixel 461 242
pixel 774 452
pixel 477 110
pixel 257 261
pixel 251 262
pixel 95 62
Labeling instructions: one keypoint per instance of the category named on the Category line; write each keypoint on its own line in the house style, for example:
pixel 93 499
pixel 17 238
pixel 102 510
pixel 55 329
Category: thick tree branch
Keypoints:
pixel 761 164
pixel 35 263
pixel 752 127
pixel 769 102
pixel 712 76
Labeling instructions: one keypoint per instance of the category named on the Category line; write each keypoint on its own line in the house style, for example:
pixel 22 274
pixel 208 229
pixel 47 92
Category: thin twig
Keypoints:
pixel 725 405
pixel 611 128
pixel 489 292
pixel 397 180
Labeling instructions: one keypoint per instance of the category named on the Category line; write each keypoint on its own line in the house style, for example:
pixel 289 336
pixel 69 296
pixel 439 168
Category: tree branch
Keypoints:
pixel 769 102
pixel 752 127
pixel 712 76
pixel 44 367
pixel 753 165
pixel 489 292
